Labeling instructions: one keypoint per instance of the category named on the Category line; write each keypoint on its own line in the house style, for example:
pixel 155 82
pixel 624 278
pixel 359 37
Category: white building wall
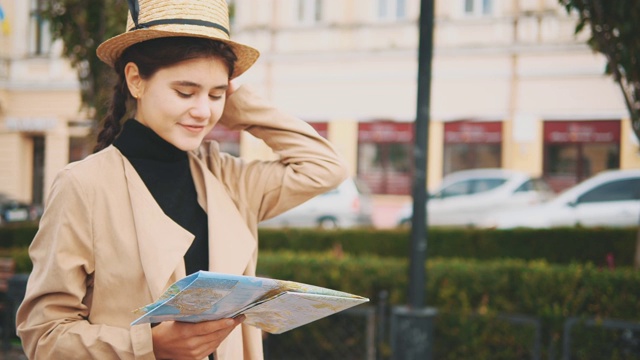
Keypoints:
pixel 522 65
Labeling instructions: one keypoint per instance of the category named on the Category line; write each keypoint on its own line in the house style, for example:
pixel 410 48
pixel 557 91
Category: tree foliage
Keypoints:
pixel 83 25
pixel 615 32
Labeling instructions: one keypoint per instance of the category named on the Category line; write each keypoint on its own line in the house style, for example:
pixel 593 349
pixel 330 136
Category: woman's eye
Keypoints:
pixel 183 95
pixel 215 97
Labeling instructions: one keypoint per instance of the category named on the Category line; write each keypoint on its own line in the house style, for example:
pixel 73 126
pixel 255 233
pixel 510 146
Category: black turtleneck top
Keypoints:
pixel 165 171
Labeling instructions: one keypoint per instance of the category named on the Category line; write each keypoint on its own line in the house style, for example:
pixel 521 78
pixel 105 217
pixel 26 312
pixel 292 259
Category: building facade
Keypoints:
pixel 512 86
pixel 39 104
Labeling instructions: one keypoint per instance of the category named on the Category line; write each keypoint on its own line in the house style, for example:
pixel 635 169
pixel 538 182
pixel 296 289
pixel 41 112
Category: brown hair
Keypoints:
pixel 151 56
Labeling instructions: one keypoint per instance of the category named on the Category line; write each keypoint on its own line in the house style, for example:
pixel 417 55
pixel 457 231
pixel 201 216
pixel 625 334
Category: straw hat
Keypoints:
pixel 152 19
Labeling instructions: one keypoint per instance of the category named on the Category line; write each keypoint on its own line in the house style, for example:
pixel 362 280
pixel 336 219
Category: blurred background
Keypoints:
pixel 513 87
pixel 527 129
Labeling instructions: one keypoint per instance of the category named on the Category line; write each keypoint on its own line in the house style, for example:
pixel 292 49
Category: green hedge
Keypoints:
pixel 507 286
pixel 17 234
pixel 561 246
pixel 471 296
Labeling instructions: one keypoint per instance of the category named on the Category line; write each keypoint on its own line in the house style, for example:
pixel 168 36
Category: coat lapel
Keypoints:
pixel 162 242
pixel 231 244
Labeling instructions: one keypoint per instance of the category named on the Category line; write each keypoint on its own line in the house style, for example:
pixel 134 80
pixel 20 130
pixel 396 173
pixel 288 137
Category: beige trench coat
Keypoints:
pixel 105 248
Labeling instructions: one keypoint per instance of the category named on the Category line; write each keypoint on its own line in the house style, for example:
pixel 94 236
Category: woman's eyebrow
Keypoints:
pixel 185 83
pixel 196 85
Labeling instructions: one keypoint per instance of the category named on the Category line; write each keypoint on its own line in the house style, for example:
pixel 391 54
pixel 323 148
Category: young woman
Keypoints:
pixel 155 203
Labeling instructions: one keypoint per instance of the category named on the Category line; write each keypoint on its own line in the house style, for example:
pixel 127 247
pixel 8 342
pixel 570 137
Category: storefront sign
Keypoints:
pixel 322 128
pixel 385 132
pixel 606 131
pixel 30 124
pixel 468 132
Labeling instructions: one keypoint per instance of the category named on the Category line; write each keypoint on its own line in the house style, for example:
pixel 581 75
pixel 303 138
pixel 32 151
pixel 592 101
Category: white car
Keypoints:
pixel 609 199
pixel 346 206
pixel 467 197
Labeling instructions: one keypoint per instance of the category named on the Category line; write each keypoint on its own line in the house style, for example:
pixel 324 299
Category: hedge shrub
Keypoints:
pixel 508 286
pixel 562 246
pixel 472 296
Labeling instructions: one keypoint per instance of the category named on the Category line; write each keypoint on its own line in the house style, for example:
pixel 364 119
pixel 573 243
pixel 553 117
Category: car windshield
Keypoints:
pixel 620 190
pixel 470 186
pixel 534 185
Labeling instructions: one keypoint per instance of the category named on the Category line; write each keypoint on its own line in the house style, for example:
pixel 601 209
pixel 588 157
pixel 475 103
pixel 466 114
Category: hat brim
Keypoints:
pixel 110 50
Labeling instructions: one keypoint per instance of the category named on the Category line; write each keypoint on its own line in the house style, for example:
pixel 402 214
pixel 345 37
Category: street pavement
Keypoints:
pixel 386 209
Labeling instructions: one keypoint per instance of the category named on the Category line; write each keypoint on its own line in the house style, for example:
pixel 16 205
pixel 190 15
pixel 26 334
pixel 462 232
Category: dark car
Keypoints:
pixel 15 211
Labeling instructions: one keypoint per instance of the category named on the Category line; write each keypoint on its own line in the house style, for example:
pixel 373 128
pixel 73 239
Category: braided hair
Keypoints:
pixel 151 56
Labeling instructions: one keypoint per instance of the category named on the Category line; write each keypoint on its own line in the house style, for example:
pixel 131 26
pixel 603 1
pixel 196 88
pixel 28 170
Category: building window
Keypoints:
pixel 392 9
pixel 472 145
pixel 39 32
pixel 478 7
pixel 309 11
pixel 385 156
pixel 576 150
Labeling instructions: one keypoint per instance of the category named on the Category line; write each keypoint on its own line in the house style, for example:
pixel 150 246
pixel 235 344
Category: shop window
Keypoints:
pixel 471 156
pixel 576 150
pixel 385 157
pixel 472 145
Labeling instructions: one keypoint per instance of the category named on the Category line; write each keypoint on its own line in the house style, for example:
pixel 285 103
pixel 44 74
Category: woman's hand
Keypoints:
pixel 181 340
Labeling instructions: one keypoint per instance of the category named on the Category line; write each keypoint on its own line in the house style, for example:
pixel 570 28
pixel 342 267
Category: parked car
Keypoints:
pixel 347 206
pixel 608 199
pixel 466 197
pixel 12 210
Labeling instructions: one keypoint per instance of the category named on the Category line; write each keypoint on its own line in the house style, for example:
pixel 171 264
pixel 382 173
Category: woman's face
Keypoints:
pixel 183 102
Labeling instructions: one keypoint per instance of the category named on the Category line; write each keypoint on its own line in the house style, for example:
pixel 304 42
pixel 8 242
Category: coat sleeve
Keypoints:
pixel 53 320
pixel 307 164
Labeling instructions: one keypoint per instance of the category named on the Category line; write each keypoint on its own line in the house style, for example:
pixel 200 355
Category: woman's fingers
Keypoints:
pixel 181 340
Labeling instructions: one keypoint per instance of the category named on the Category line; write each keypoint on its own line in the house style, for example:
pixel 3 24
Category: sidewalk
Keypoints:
pixel 386 208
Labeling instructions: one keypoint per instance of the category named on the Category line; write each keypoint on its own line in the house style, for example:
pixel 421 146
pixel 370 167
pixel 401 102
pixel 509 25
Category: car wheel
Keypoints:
pixel 328 223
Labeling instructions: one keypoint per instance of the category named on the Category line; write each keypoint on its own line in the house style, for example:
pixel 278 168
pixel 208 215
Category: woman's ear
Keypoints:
pixel 135 82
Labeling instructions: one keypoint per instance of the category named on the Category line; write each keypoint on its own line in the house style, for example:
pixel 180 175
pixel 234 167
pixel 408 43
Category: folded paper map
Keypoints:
pixel 274 306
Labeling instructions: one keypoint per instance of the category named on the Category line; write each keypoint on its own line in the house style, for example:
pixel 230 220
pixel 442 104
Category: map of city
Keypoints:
pixel 274 306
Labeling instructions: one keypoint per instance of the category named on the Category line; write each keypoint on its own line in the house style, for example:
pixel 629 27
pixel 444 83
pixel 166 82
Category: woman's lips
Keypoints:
pixel 192 128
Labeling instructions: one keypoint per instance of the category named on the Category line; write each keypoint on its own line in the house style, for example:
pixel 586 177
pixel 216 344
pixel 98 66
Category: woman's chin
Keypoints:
pixel 188 145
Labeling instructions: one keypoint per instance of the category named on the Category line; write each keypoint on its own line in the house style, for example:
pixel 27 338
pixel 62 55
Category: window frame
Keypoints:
pixel 477 8
pixel 40 38
pixel 309 12
pixel 391 10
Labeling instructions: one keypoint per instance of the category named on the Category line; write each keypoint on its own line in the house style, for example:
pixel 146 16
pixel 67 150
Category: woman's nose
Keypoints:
pixel 200 109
